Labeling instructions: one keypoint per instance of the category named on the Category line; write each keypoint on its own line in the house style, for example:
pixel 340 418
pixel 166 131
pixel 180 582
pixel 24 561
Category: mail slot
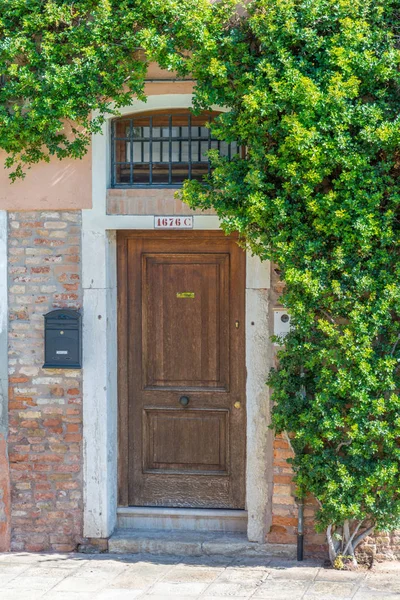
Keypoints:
pixel 62 339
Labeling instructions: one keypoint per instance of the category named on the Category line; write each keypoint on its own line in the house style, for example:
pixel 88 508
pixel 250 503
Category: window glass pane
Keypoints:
pixel 156 132
pixel 175 151
pixel 122 128
pixel 137 152
pixel 205 132
pixel 195 150
pixel 180 172
pixel 123 173
pixel 156 151
pixel 196 132
pixel 160 174
pixel 234 148
pixel 174 132
pixel 164 152
pixel 146 151
pixel 121 151
pixel 204 150
pixel 185 151
pixel 199 170
pixel 141 174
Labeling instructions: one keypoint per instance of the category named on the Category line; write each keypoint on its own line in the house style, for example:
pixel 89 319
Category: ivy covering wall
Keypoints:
pixel 314 96
pixel 311 89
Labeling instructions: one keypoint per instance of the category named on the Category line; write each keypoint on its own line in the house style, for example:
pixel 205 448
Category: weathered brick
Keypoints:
pixel 44 436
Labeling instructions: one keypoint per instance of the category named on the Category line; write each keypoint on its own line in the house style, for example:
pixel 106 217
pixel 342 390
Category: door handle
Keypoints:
pixel 184 400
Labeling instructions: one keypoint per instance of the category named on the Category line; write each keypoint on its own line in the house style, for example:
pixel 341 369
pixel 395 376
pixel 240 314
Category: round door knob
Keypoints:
pixel 184 400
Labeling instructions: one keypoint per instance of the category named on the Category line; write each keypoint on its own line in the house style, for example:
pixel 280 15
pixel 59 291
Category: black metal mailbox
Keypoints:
pixel 63 339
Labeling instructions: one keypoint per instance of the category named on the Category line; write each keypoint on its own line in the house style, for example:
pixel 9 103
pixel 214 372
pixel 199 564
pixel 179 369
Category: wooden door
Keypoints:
pixel 182 423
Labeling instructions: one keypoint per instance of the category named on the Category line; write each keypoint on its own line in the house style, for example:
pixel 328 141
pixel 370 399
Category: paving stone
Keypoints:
pixel 163 597
pixel 214 561
pixel 300 573
pixel 250 562
pixel 134 581
pixel 227 589
pixel 192 573
pixel 243 576
pixel 170 589
pixel 375 595
pixel 149 577
pixel 285 563
pixel 280 595
pixel 384 582
pixel 386 567
pixel 8 572
pixel 96 571
pixel 63 562
pixel 18 557
pixel 118 594
pixel 223 597
pixel 272 588
pixel 68 596
pixel 81 584
pixel 32 583
pixel 43 572
pixel 331 590
pixel 26 594
pixel 335 575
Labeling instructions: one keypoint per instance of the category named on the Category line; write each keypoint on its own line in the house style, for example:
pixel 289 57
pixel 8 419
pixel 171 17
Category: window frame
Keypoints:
pixel 159 139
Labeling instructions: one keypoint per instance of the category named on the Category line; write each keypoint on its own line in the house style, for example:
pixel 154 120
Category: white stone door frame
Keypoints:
pixel 100 406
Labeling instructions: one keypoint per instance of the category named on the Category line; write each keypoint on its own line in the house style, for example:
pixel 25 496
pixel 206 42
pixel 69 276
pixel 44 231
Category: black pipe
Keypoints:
pixel 300 531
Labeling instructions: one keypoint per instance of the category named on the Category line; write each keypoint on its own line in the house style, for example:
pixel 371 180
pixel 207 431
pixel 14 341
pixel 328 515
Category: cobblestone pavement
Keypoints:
pixel 121 577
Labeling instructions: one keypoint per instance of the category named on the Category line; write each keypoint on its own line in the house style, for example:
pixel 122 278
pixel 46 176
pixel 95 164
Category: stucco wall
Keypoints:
pixel 65 184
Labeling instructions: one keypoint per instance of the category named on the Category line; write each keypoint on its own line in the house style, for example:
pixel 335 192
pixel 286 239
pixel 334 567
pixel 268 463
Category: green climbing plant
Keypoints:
pixel 64 65
pixel 312 89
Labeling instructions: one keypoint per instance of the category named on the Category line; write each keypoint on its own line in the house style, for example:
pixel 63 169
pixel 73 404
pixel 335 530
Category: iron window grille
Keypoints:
pixel 163 149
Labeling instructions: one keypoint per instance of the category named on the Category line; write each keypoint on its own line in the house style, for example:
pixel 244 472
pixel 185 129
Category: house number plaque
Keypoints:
pixel 173 222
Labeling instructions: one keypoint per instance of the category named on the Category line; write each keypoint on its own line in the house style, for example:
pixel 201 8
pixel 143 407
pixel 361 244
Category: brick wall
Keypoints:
pixel 45 406
pixel 150 201
pixel 284 506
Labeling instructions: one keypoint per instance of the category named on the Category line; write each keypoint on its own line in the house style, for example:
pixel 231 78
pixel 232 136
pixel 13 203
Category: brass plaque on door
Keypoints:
pixel 185 295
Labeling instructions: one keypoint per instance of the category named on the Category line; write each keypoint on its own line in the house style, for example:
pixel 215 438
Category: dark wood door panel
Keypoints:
pixel 185 440
pixel 181 333
pixel 185 321
pixel 187 491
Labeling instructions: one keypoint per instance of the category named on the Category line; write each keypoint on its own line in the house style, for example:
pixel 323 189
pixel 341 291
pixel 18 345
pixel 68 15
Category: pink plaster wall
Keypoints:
pixel 65 184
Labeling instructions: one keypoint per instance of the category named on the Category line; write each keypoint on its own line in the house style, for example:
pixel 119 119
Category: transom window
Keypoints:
pixel 163 149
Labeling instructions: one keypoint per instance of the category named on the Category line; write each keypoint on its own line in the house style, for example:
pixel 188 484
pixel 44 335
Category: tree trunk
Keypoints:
pixel 343 541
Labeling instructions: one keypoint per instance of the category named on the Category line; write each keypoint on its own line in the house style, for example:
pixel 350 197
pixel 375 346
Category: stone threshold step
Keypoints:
pixel 193 543
pixel 206 520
